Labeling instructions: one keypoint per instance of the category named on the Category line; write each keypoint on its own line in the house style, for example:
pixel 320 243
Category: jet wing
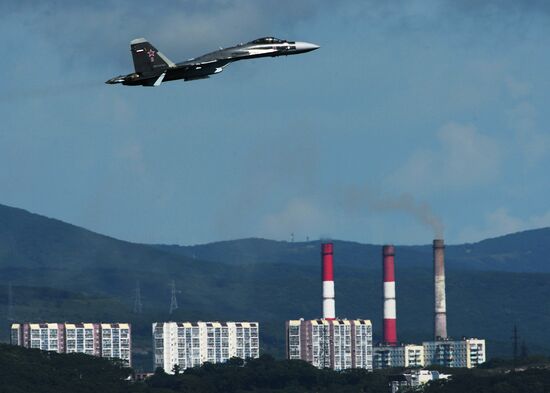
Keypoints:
pixel 155 82
pixel 193 63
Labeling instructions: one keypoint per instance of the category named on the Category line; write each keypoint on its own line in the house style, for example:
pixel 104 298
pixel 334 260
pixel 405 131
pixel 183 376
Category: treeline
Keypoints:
pixel 268 375
pixel 26 370
pixel 534 380
pixel 31 370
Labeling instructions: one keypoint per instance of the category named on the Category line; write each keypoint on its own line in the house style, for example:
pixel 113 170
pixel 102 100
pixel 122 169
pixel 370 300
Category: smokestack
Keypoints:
pixel 440 316
pixel 390 317
pixel 329 311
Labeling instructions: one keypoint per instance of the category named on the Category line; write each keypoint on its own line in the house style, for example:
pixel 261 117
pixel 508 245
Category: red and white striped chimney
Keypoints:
pixel 390 314
pixel 329 311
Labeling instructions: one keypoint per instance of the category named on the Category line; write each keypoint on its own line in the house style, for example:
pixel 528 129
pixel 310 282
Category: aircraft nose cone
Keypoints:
pixel 306 46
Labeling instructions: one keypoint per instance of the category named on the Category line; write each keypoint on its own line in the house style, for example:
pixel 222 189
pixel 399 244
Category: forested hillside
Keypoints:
pixel 61 272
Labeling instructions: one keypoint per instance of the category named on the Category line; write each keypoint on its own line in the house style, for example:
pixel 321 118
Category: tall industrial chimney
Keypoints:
pixel 440 315
pixel 329 311
pixel 390 317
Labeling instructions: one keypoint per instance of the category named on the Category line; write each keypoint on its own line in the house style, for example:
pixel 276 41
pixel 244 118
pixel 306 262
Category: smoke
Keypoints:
pixel 357 198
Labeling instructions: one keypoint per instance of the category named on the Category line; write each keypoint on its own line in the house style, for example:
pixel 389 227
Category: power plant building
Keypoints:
pixel 466 353
pixel 407 355
pixel 190 344
pixel 388 289
pixel 112 341
pixel 440 302
pixel 338 344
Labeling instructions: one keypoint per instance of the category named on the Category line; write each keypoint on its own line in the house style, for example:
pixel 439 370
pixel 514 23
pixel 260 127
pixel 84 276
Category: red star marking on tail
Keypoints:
pixel 151 54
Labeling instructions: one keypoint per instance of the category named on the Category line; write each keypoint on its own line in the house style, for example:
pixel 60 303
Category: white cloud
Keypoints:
pixel 464 158
pixel 500 222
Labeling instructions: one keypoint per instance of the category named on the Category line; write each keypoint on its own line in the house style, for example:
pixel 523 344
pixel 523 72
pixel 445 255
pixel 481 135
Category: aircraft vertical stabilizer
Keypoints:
pixel 147 59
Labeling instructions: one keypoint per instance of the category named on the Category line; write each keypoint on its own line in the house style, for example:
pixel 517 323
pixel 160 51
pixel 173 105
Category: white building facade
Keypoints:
pixel 116 341
pixel 112 341
pixel 407 355
pixel 466 353
pixel 190 344
pixel 43 336
pixel 82 338
pixel 331 343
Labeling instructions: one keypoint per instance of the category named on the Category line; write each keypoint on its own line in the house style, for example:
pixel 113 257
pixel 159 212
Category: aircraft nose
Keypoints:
pixel 306 46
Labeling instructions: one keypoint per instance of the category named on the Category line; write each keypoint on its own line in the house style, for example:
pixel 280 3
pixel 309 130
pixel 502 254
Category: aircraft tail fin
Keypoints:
pixel 147 59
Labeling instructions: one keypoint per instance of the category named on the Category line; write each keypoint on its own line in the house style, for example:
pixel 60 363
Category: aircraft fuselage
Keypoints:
pixel 152 67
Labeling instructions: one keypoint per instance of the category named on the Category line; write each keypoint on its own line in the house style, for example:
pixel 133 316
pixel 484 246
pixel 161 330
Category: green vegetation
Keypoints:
pixel 528 381
pixel 60 272
pixel 268 375
pixel 27 370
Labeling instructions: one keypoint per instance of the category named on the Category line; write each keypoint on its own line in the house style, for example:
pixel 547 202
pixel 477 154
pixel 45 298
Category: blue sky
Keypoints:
pixel 414 118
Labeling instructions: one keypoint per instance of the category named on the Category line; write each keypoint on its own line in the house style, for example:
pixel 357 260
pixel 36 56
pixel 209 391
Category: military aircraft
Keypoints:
pixel 152 67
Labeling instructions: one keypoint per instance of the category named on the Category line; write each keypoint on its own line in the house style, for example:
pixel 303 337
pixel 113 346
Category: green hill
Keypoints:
pixel 62 272
pixel 522 252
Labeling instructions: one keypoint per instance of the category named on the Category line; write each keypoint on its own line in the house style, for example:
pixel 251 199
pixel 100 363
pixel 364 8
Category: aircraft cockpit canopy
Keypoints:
pixel 267 40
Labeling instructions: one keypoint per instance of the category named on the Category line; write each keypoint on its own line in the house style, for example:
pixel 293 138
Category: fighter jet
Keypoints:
pixel 152 67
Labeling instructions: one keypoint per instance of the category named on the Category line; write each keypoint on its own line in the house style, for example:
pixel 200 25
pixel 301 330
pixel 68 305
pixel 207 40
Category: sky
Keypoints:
pixel 414 119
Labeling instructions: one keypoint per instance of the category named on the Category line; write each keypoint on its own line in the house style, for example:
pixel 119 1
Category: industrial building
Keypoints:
pixel 109 340
pixel 466 353
pixel 389 354
pixel 329 342
pixel 190 344
pixel 406 355
pixel 443 351
pixel 338 344
pixel 388 290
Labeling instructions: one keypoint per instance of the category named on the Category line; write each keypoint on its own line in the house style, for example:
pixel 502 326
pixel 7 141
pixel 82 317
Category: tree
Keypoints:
pixel 177 369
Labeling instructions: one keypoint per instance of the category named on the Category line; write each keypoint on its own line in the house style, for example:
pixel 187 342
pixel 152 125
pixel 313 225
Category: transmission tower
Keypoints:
pixel 515 339
pixel 174 299
pixel 11 316
pixel 138 307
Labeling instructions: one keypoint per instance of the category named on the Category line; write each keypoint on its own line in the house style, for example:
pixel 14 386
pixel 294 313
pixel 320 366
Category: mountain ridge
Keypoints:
pixel 525 251
pixel 503 253
pixel 265 281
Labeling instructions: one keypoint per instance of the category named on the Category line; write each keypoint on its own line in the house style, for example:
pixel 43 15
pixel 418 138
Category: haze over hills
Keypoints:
pixel 59 271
